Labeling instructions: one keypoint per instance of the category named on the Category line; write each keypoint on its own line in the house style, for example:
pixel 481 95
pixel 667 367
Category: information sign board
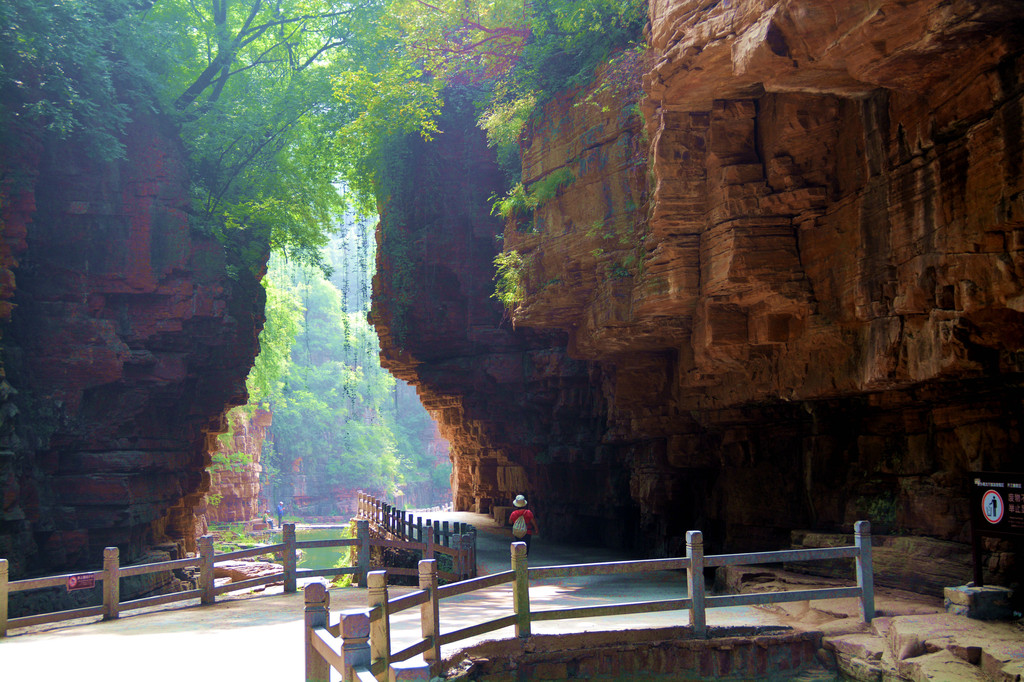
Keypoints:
pixel 81 582
pixel 997 509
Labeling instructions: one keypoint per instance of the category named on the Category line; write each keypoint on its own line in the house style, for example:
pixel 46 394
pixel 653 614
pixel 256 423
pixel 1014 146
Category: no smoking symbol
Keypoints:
pixel 992 506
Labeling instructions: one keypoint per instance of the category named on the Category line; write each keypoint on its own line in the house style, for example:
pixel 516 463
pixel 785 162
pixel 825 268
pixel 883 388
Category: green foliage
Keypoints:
pixel 520 202
pixel 337 415
pixel 60 71
pixel 881 508
pixel 509 289
pixel 509 55
pixel 283 315
pixel 230 461
pixel 504 121
pixel 252 83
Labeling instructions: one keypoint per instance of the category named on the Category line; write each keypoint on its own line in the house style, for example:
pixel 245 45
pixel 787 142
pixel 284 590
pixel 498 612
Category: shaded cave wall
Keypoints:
pixel 784 292
pixel 126 342
pixel 501 396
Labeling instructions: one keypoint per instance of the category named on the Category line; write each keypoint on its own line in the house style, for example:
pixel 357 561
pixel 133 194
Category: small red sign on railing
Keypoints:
pixel 81 582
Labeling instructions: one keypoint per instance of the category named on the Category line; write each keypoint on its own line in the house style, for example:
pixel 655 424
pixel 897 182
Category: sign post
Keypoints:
pixel 997 510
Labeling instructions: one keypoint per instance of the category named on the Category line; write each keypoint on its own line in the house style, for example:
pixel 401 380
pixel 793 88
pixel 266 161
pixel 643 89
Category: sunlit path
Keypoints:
pixel 260 637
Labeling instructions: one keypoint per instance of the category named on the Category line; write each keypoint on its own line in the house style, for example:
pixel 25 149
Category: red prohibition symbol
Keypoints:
pixel 992 506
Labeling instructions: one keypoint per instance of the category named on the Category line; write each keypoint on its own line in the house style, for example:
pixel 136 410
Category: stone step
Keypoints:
pixel 859 655
pixel 992 650
pixel 932 647
pixel 941 666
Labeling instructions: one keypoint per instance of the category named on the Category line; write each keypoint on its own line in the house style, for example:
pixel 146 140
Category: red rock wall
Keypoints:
pixel 787 297
pixel 237 487
pixel 500 395
pixel 127 343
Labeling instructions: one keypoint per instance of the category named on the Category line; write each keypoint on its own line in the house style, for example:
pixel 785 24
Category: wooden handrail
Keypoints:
pixel 610 568
pixel 110 576
pixel 429 596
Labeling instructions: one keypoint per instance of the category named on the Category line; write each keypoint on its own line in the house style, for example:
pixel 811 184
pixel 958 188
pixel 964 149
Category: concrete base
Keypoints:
pixel 500 514
pixel 980 603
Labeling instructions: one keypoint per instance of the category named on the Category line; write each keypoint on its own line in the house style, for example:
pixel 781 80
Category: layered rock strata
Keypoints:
pixel 128 341
pixel 789 296
pixel 235 489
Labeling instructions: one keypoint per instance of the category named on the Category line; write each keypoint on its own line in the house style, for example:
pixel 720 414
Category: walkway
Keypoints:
pixel 260 637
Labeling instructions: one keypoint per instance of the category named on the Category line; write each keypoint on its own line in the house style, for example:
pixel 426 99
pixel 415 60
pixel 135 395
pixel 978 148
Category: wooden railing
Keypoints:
pixel 399 524
pixel 463 563
pixel 366 643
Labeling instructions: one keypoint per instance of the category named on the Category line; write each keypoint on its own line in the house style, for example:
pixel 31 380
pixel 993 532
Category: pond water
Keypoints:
pixel 318 557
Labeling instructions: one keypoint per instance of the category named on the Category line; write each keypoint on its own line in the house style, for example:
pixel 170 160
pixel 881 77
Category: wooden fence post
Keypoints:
pixel 472 552
pixel 428 553
pixel 446 538
pixel 4 568
pixel 430 626
pixel 289 557
pixel 363 549
pixel 206 580
pixel 355 646
pixel 521 589
pixel 111 583
pixel 865 571
pixel 465 552
pixel 419 529
pixel 695 581
pixel 380 629
pixel 318 601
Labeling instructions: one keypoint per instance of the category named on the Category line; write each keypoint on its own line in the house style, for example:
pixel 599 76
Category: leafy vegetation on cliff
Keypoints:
pixel 278 101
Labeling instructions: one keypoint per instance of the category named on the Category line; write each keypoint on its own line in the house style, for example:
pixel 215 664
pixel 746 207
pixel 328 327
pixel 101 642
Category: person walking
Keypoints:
pixel 280 513
pixel 524 524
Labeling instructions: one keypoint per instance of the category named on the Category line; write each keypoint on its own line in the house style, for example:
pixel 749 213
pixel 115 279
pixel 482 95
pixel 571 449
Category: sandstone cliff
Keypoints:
pixel 784 292
pixel 127 342
pixel 235 486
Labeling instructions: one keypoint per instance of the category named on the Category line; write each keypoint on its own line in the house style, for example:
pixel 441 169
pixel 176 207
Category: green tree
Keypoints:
pixel 60 74
pixel 251 82
pixel 338 417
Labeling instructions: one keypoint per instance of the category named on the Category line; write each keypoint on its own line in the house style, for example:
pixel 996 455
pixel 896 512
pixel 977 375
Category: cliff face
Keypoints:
pixel 128 341
pixel 787 294
pixel 235 484
pixel 500 395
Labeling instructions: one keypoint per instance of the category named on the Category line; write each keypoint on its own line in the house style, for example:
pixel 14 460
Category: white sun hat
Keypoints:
pixel 520 501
